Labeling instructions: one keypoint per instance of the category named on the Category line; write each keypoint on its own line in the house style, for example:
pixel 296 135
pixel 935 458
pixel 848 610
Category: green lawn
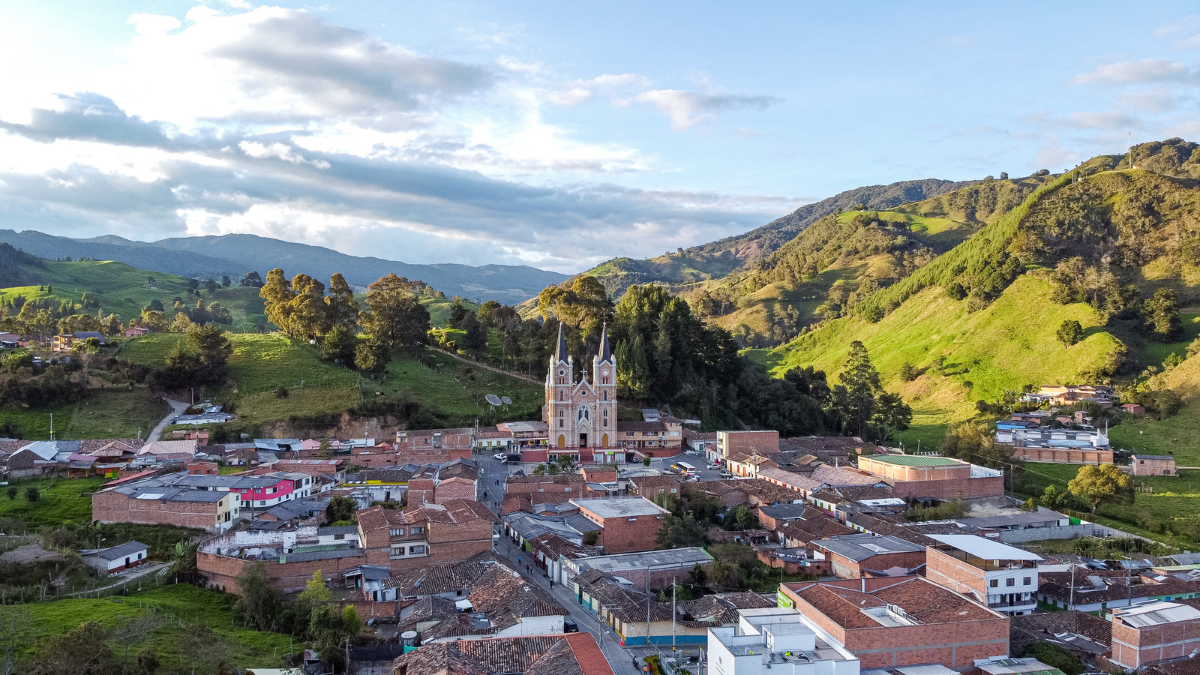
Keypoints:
pixel 110 413
pixel 60 500
pixel 181 607
pixel 1174 500
pixel 1156 352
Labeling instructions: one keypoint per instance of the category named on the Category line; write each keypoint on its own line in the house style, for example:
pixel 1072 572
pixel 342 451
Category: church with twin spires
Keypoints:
pixel 581 414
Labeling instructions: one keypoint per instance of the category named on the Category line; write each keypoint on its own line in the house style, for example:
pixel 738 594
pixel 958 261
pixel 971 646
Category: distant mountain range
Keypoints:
pixel 237 254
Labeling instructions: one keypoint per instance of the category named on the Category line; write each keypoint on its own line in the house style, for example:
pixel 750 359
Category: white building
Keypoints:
pixel 776 641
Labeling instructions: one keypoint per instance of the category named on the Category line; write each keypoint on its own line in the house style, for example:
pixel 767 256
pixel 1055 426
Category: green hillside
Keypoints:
pixel 261 364
pixel 117 288
pixel 1092 245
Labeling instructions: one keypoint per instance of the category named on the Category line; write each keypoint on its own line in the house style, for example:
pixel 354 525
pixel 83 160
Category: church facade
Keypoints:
pixel 581 414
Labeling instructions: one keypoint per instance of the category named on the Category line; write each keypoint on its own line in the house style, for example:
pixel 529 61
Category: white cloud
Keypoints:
pixel 278 151
pixel 1185 32
pixel 153 24
pixel 687 109
pixel 1138 72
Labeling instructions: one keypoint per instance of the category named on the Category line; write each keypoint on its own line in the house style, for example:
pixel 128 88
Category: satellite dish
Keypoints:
pixel 506 400
pixel 493 399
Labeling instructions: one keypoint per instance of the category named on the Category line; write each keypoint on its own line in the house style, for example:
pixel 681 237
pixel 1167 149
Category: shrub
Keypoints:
pixel 32 494
pixel 281 392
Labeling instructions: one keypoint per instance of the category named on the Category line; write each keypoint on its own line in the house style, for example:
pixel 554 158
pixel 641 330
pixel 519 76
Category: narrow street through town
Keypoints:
pixel 492 476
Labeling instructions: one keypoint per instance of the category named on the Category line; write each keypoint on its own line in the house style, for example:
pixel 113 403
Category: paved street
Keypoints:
pixel 620 658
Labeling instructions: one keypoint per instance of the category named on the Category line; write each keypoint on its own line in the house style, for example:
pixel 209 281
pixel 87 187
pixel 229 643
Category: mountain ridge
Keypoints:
pixel 237 254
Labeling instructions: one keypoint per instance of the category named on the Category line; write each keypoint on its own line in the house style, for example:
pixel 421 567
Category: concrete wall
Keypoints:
pixel 1039 533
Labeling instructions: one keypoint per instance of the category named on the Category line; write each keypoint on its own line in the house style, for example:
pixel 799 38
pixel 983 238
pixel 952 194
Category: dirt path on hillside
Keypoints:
pixel 477 364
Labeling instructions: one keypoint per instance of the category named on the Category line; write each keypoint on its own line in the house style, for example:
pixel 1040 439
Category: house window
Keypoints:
pixel 397 550
pixel 1010 582
pixel 339 536
pixel 398 532
pixel 994 583
pixel 1028 581
pixel 417 530
pixel 416 550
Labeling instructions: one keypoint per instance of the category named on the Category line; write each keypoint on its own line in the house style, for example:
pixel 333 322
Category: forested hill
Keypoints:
pixel 236 254
pixel 717 259
pixel 1094 275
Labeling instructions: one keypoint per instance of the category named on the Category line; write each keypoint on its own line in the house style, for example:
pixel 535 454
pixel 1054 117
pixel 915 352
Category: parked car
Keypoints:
pixel 726 474
pixel 500 456
pixel 569 626
pixel 712 467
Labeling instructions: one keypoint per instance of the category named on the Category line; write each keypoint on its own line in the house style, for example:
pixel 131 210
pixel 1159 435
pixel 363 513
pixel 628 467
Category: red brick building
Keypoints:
pixel 890 623
pixel 1153 465
pixel 626 523
pixel 454 443
pixel 205 510
pixel 1154 631
pixel 854 556
pixel 649 486
pixel 1002 576
pixel 425 534
pixel 563 482
pixel 747 442
pixel 937 477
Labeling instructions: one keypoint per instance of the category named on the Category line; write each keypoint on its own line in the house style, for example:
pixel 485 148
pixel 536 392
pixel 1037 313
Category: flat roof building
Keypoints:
pixel 781 640
pixel 626 523
pixel 1003 576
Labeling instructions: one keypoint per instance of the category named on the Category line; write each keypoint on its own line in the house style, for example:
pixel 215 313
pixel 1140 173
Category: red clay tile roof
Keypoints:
pixel 925 601
pixel 559 478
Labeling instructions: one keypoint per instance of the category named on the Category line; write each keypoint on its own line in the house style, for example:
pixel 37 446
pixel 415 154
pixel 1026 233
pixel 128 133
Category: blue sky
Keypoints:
pixel 548 133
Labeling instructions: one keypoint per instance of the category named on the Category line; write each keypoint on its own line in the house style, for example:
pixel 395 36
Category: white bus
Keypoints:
pixel 684 469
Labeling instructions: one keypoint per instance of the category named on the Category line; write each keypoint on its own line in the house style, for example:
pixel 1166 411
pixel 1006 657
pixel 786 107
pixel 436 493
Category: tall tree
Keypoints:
pixel 861 383
pixel 278 294
pixel 396 319
pixel 343 309
pixel 1162 316
pixel 309 315
pixel 633 374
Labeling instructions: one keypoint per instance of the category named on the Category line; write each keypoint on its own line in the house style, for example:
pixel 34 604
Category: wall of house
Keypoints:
pixel 114 507
pixel 955 645
pixel 1134 647
pixel 222 571
pixel 1064 455
pixel 955 574
pixel 762 442
pixel 845 568
pixel 623 535
pixel 575 487
pixel 420 491
pixel 901 472
pixel 1153 467
pixel 966 488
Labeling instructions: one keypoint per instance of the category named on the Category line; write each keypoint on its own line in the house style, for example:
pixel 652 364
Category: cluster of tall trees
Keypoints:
pixel 394 320
pixel 668 356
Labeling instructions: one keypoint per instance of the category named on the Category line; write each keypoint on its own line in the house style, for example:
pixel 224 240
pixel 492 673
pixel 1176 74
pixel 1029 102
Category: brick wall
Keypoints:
pixel 1153 467
pixel 846 568
pixel 633 533
pixel 1134 647
pixel 223 570
pixel 114 507
pixel 420 491
pixel 958 576
pixel 575 488
pixel 762 442
pixel 1064 455
pixel 901 472
pixel 955 645
pixel 968 488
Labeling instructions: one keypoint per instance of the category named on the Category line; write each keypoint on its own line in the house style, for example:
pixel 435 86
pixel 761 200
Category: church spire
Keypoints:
pixel 605 348
pixel 561 353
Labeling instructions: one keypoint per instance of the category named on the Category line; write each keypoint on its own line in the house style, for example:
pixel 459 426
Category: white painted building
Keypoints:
pixel 776 641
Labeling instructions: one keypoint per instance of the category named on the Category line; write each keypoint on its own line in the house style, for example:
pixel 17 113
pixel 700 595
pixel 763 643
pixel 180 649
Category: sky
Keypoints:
pixel 552 134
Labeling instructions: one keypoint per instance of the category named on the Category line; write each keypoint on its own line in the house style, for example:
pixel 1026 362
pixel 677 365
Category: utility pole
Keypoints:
pixel 672 616
pixel 649 598
pixel 52 426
